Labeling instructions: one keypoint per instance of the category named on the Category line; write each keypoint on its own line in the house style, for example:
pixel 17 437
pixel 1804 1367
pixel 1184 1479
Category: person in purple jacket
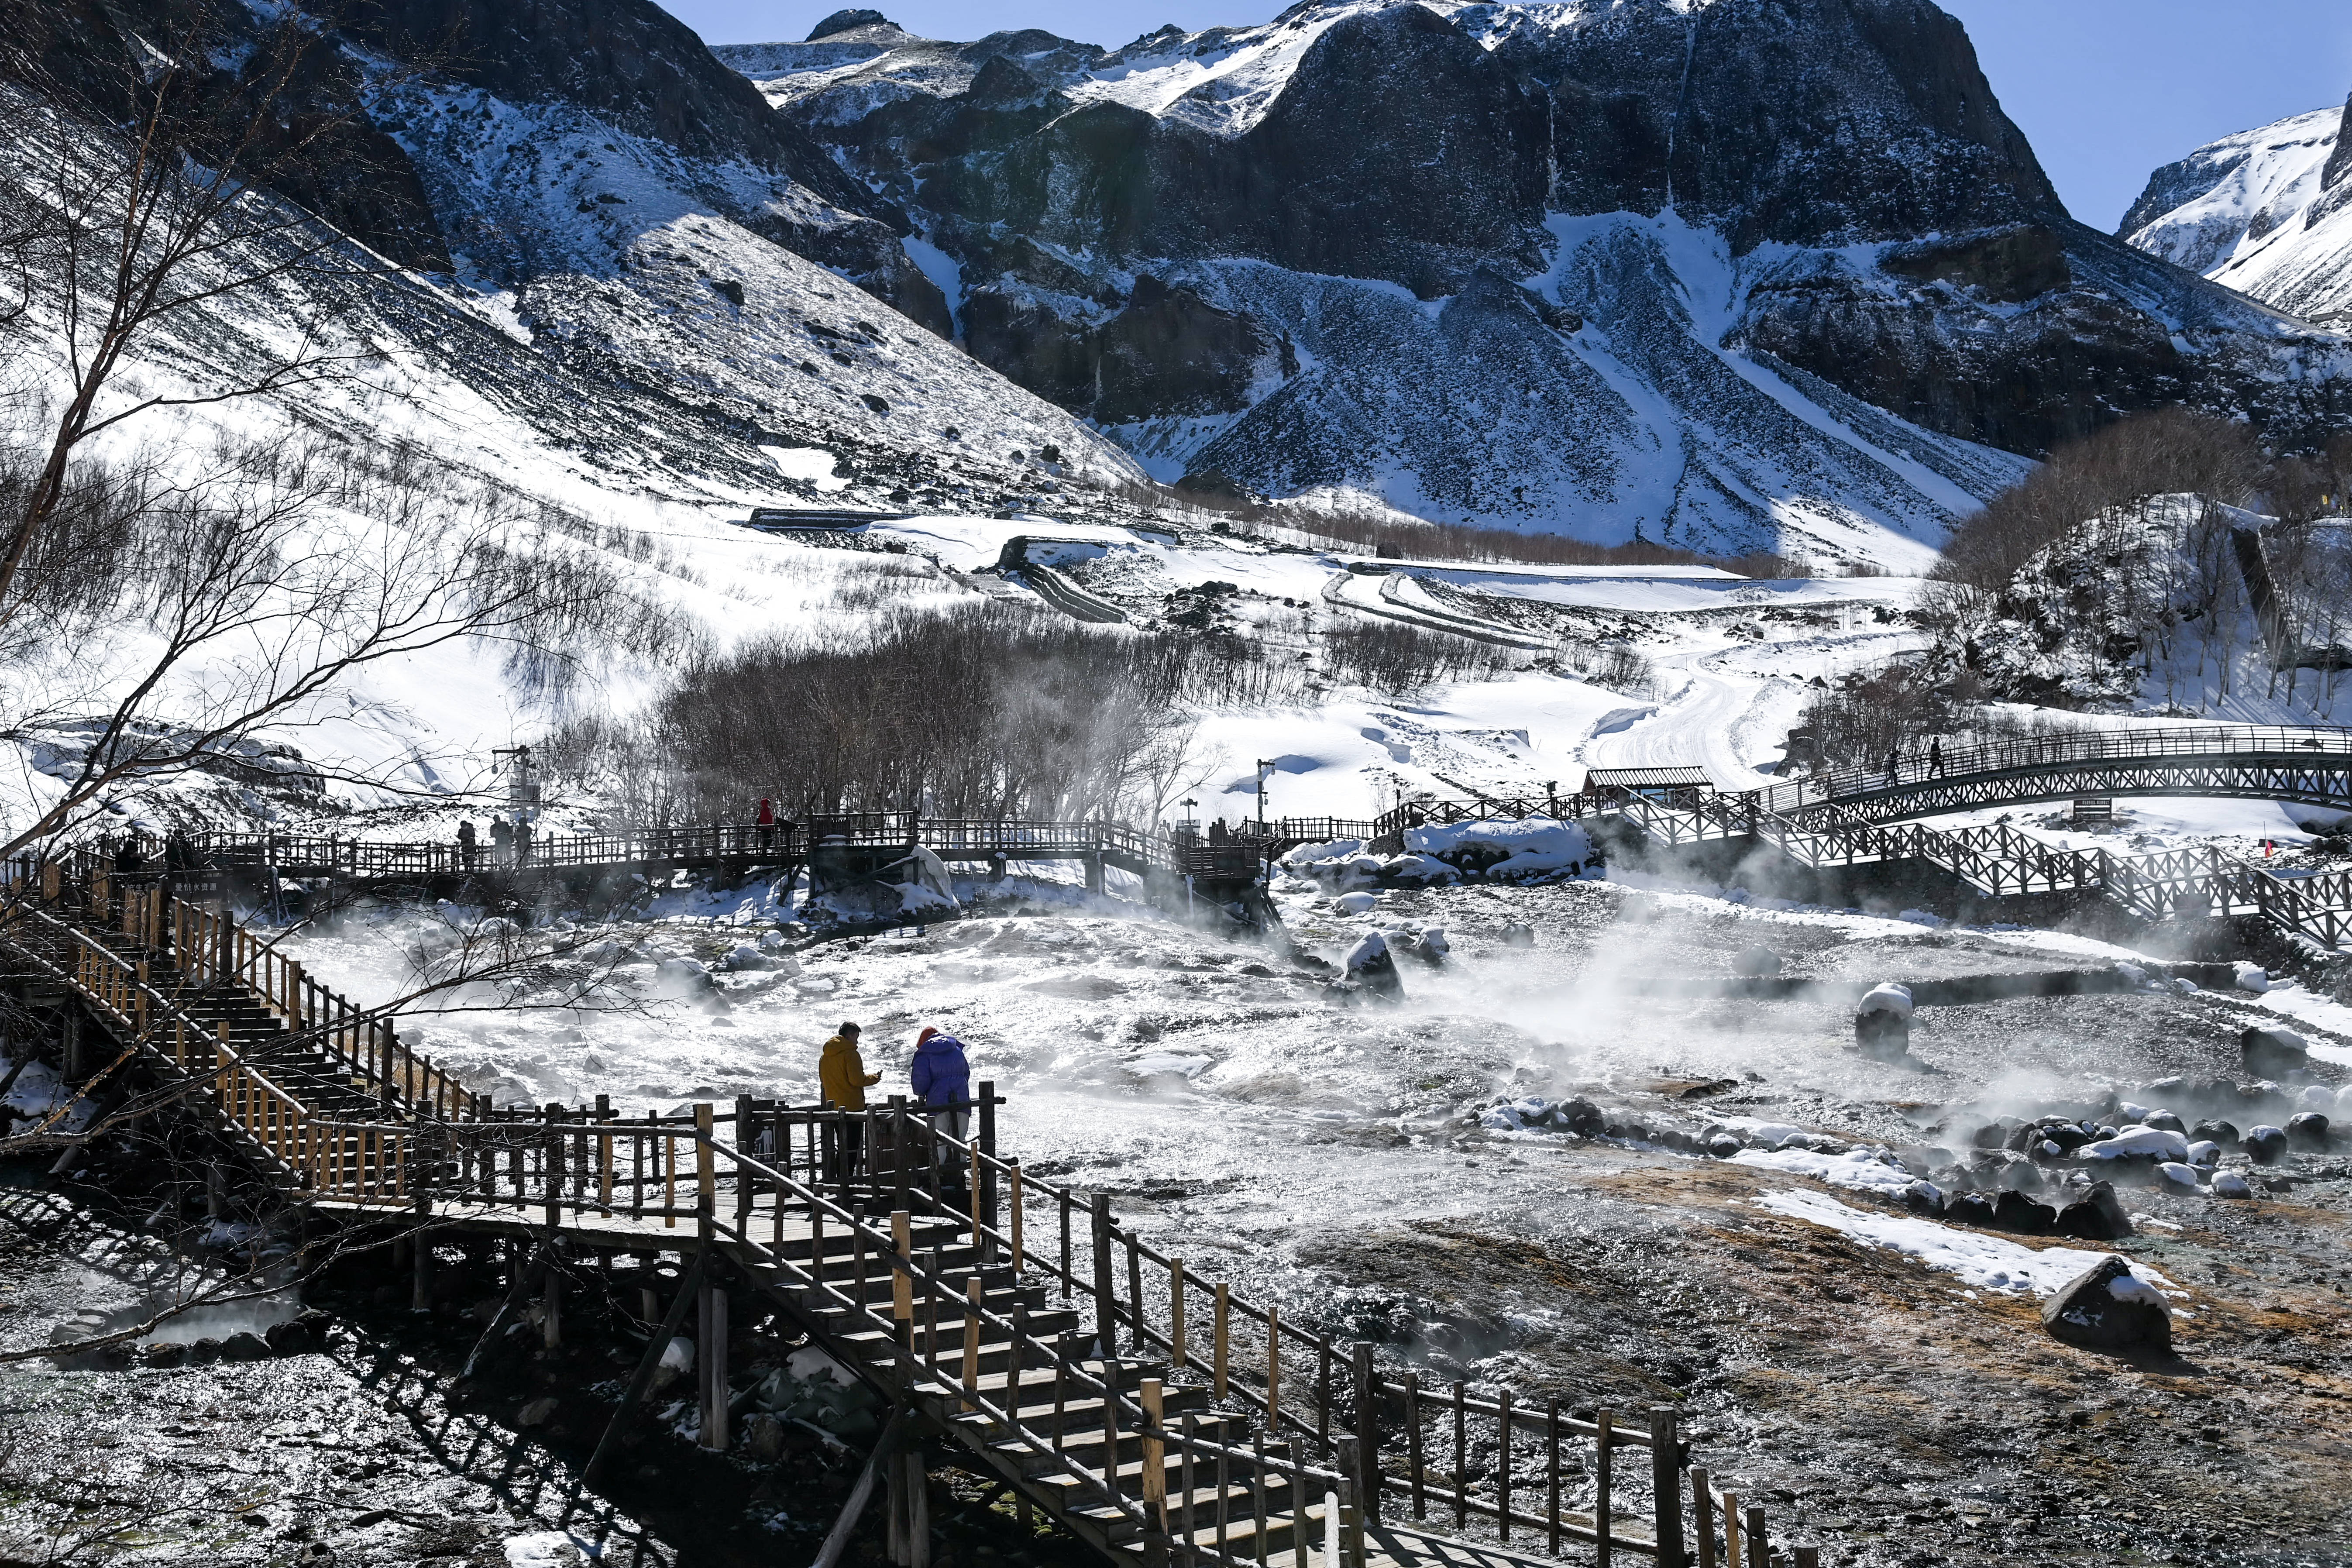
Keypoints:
pixel 941 1080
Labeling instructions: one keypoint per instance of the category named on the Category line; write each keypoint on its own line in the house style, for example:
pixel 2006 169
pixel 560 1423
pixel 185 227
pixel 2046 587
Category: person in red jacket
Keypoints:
pixel 767 820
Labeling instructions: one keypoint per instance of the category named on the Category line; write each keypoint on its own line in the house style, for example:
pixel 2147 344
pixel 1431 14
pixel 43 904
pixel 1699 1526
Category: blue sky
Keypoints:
pixel 2106 90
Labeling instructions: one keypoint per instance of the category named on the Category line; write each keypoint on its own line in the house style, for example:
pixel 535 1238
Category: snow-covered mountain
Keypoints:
pixel 1730 274
pixel 2268 212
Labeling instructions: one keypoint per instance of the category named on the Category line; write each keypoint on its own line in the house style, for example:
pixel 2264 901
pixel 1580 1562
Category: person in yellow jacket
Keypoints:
pixel 843 1080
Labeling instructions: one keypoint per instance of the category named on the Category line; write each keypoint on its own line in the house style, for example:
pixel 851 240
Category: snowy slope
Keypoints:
pixel 2256 211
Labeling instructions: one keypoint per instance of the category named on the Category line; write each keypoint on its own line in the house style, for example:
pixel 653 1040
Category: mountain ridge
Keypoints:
pixel 1119 232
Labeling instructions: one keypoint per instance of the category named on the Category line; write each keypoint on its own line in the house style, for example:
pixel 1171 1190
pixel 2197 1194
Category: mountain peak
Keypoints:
pixel 847 21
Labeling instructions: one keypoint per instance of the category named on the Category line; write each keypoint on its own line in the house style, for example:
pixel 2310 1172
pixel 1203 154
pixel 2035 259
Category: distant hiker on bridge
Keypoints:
pixel 522 843
pixel 179 855
pixel 1892 760
pixel 767 821
pixel 941 1080
pixel 1936 757
pixel 842 1080
pixel 468 848
pixel 502 841
pixel 128 861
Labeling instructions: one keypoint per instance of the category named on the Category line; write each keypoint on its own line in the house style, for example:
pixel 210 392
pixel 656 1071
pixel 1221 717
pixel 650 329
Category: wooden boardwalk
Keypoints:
pixel 1151 1411
pixel 1840 822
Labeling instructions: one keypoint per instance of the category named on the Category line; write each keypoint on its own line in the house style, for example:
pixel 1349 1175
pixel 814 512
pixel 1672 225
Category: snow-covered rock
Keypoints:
pixel 1510 851
pixel 1888 997
pixel 2139 1143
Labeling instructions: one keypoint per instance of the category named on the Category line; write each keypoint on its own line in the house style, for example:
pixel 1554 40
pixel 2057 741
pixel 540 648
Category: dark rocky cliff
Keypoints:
pixel 1422 145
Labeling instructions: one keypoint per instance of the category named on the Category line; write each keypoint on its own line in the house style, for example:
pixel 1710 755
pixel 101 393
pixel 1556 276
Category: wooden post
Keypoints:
pixel 1703 1518
pixel 551 1308
pixel 1759 1541
pixel 1019 1254
pixel 1368 1429
pixel 1110 1428
pixel 902 1281
pixel 1602 1507
pixel 706 1163
pixel 553 1167
pixel 1809 1556
pixel 743 1146
pixel 1135 1290
pixel 1155 1454
pixel 1731 1530
pixel 985 1248
pixel 984 1140
pixel 1176 1312
pixel 1666 1487
pixel 918 1510
pixel 902 1139
pixel 1503 1466
pixel 895 1506
pixel 1220 1343
pixel 420 1251
pixel 711 1355
pixel 971 1351
pixel 1551 1469
pixel 1105 1303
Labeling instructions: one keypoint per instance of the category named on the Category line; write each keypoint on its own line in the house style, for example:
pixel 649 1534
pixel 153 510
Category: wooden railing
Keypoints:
pixel 201 949
pixel 1385 1445
pixel 2326 744
pixel 312 1154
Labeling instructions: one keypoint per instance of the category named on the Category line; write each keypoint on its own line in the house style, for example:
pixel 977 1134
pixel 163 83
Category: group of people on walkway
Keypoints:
pixel 509 843
pixel 939 1080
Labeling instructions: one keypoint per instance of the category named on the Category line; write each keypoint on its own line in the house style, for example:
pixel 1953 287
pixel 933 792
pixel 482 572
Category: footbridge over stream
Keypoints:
pixel 1145 1406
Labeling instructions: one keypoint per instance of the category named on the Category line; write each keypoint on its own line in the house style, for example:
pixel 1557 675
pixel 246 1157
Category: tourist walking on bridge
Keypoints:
pixel 467 846
pixel 1936 756
pixel 942 1079
pixel 842 1080
pixel 767 822
pixel 522 843
pixel 502 841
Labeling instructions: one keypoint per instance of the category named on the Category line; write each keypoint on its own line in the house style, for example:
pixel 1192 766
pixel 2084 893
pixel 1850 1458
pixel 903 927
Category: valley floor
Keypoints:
pixel 1884 1383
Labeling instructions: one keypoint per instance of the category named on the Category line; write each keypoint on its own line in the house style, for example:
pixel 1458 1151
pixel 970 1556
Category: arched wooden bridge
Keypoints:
pixel 1148 1409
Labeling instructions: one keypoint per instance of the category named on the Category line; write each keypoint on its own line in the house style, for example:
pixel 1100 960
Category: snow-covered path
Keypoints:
pixel 1732 708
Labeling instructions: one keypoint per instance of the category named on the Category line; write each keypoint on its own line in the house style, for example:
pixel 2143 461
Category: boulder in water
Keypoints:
pixel 1882 1023
pixel 1370 965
